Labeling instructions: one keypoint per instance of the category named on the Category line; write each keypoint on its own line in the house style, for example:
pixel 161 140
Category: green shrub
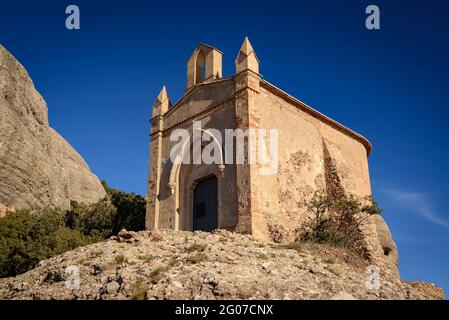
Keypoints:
pixel 338 222
pixel 27 238
pixel 96 220
pixel 130 214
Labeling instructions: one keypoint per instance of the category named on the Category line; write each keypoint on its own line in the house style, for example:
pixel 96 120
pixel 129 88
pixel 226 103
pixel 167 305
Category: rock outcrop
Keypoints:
pixel 38 168
pixel 200 265
pixel 389 251
pixel 4 210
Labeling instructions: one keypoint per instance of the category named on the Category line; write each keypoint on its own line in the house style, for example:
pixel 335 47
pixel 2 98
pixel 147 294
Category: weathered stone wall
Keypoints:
pixel 301 166
pixel 314 155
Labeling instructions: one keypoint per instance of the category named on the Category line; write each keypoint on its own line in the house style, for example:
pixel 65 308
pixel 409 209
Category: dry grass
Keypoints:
pixel 120 259
pixel 196 247
pixel 146 259
pixel 140 289
pixel 158 273
pixel 197 258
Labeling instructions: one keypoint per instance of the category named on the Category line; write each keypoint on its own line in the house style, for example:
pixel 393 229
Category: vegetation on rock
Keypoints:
pixel 28 237
pixel 338 221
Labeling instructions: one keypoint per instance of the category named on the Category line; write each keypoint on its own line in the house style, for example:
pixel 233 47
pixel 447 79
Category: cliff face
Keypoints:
pixel 201 265
pixel 38 168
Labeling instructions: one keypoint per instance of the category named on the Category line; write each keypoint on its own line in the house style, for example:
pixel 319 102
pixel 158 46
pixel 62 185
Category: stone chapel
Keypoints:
pixel 314 152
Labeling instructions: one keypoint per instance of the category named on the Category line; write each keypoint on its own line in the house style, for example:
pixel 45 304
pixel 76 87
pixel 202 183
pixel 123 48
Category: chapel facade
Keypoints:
pixel 314 152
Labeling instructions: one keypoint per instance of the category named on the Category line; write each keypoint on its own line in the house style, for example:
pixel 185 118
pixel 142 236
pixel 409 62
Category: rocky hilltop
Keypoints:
pixel 38 168
pixel 200 265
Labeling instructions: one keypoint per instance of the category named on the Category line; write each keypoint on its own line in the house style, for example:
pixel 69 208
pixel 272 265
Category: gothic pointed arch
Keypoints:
pixel 173 183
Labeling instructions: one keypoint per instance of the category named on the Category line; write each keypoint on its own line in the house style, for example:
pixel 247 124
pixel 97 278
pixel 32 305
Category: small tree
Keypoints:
pixel 130 209
pixel 95 220
pixel 338 221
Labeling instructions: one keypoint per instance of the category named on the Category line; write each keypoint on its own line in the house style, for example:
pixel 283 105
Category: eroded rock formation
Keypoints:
pixel 38 168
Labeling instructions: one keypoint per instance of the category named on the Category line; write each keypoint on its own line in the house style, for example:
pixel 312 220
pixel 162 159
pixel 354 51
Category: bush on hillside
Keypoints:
pixel 130 214
pixel 338 222
pixel 95 220
pixel 26 237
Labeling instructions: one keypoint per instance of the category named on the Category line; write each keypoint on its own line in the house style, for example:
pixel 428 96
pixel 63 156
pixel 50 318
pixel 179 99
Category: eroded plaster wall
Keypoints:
pixel 303 140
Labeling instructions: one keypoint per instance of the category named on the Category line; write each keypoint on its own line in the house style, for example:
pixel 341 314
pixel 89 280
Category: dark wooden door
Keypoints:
pixel 205 205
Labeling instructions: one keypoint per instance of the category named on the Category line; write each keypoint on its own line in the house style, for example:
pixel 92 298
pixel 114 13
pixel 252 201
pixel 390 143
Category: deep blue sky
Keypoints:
pixel 391 85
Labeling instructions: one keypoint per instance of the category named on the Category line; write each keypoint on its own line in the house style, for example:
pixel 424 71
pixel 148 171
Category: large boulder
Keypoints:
pixel 38 168
pixel 388 246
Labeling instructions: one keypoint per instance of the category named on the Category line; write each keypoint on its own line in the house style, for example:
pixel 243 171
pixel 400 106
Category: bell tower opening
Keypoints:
pixel 204 64
pixel 205 205
pixel 200 73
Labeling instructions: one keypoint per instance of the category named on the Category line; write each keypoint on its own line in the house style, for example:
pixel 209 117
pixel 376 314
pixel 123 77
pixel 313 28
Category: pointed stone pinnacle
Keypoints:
pixel 247 49
pixel 162 103
pixel 246 46
pixel 162 95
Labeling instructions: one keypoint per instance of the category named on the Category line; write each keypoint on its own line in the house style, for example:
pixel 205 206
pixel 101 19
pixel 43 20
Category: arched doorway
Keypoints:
pixel 205 205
